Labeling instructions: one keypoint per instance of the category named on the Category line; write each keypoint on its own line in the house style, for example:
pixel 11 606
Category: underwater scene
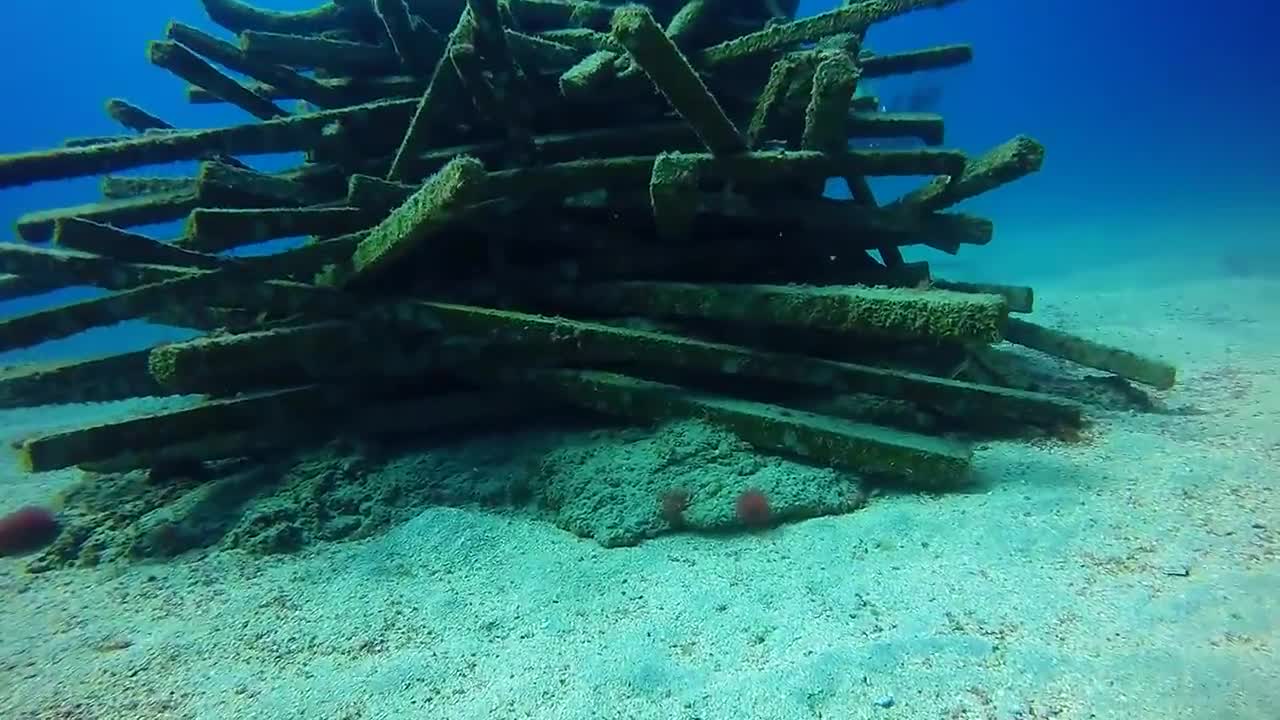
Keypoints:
pixel 649 360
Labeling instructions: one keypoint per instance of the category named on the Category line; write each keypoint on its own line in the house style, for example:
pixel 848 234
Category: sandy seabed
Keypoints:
pixel 1135 576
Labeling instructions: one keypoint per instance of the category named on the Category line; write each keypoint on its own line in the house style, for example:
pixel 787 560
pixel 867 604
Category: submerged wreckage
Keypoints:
pixel 517 204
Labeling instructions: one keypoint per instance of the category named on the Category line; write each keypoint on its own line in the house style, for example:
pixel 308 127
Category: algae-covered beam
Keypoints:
pixel 555 14
pixel 93 140
pixel 926 127
pixel 635 173
pixel 217 363
pixel 416 43
pixel 313 51
pixel 1021 299
pixel 255 443
pixel 915 460
pixel 601 71
pixel 119 187
pixel 1010 161
pixel 112 242
pixel 221 185
pixel 341 91
pixel 568 341
pixel 237 16
pixel 180 61
pixel 115 377
pixel 20 331
pixel 490 38
pixel 212 230
pixel 287 80
pixel 771 100
pixel 133 117
pixel 375 196
pixel 441 90
pixel 327 351
pixel 305 261
pixel 65 268
pixel 834 226
pixel 1126 364
pixel 862 311
pixel 584 40
pixel 834 81
pixel 754 167
pixel 278 408
pixel 512 90
pixel 623 140
pixel 691 21
pixel 16 286
pixel 673 192
pixel 191 289
pixel 858 226
pixel 223 364
pixel 943 56
pixel 139 210
pixel 425 213
pixel 657 137
pixel 289 134
pixel 141 121
pixel 635 29
pixel 854 18
pixel 541 55
pixel 394 418
pixel 477 82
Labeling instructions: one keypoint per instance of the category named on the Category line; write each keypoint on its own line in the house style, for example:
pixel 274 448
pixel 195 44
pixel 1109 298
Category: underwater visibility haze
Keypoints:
pixel 680 359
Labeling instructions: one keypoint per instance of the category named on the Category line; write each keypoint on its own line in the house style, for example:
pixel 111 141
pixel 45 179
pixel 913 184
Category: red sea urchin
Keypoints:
pixel 753 508
pixel 26 529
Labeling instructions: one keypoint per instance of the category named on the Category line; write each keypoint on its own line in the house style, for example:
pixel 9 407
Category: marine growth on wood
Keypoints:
pixel 615 208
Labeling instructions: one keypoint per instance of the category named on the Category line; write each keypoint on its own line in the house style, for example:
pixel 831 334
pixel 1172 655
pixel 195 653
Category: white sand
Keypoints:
pixel 1135 577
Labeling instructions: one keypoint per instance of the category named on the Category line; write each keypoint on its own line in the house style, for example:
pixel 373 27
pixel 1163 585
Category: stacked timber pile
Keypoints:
pixel 516 202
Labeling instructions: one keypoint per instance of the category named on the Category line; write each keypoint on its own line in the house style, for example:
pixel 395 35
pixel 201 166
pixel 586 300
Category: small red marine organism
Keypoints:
pixel 753 508
pixel 672 505
pixel 27 529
